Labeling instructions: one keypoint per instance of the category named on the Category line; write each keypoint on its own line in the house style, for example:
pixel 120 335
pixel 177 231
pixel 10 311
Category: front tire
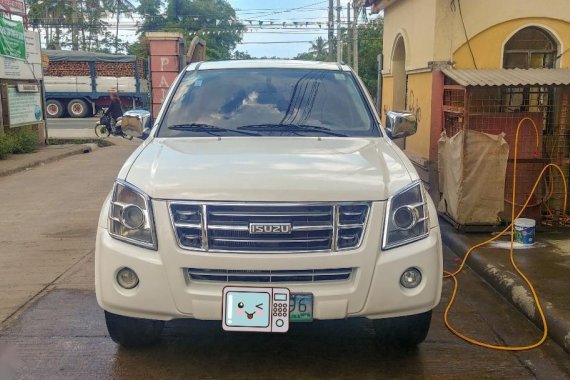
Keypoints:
pixel 408 331
pixel 133 332
pixel 102 130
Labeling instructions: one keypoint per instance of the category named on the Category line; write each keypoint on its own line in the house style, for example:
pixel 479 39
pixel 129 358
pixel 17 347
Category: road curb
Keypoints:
pixel 510 286
pixel 25 165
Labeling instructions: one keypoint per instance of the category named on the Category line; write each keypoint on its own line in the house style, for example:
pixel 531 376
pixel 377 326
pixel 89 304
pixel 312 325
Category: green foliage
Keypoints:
pixel 191 18
pixel 369 46
pixel 23 141
pixel 5 146
pixel 241 55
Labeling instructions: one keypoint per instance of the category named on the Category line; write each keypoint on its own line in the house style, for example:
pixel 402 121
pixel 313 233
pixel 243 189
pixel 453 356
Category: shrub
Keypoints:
pixel 5 146
pixel 25 141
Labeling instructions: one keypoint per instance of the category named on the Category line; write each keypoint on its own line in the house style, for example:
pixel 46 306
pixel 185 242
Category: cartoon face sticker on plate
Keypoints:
pixel 247 309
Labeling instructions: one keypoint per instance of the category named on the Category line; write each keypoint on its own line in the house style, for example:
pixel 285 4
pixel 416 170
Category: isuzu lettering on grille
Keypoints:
pixel 270 228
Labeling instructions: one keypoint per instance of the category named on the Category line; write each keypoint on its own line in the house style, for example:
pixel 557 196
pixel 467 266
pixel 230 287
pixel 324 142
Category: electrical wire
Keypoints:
pixel 511 228
pixel 465 31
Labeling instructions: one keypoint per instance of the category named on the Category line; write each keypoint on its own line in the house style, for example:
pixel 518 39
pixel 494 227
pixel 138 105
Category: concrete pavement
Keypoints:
pixel 546 264
pixel 44 154
pixel 48 224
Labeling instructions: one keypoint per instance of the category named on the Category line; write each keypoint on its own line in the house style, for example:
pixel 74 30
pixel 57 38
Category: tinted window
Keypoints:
pixel 241 98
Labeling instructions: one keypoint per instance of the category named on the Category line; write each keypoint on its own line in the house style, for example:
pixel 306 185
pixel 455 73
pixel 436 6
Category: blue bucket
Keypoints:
pixel 525 231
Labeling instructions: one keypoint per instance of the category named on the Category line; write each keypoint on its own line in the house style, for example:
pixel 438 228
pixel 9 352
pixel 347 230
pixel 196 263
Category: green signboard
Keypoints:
pixel 12 39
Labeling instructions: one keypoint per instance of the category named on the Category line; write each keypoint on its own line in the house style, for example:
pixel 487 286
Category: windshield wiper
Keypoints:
pixel 213 130
pixel 294 128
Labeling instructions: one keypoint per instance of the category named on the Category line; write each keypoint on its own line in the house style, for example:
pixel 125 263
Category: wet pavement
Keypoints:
pixel 52 328
pixel 63 336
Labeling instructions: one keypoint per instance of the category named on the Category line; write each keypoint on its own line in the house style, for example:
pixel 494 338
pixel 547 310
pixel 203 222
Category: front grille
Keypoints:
pixel 310 227
pixel 269 276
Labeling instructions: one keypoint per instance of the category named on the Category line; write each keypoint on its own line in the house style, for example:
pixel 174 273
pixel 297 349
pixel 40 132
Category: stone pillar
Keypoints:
pixel 166 61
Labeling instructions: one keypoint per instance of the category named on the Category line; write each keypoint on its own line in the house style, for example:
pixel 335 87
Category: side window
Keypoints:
pixel 529 48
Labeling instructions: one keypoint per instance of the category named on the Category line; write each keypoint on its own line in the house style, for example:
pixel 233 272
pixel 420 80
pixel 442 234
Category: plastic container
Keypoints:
pixel 525 231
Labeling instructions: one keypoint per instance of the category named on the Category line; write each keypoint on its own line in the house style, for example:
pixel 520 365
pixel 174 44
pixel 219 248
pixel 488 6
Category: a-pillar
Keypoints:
pixel 166 57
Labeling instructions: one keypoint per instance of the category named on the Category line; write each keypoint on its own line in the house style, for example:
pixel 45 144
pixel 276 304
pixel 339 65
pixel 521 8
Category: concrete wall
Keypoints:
pixel 488 45
pixel 432 31
pixel 417 26
pixel 503 16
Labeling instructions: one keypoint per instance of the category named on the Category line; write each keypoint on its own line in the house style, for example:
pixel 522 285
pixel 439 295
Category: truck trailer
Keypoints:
pixel 77 83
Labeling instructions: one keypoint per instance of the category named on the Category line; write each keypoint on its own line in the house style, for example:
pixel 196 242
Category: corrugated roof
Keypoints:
pixel 510 77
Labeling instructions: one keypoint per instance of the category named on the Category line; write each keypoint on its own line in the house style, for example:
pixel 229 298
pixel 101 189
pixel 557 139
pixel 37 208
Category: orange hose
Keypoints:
pixel 511 227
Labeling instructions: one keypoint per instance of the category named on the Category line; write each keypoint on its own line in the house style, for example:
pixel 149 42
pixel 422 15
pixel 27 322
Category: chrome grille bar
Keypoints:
pixel 225 227
pixel 269 276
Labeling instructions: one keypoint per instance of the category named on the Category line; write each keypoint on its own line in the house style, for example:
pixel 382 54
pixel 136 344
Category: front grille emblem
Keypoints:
pixel 269 228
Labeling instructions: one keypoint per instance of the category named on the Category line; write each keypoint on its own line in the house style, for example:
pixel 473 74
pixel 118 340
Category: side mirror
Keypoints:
pixel 136 123
pixel 400 124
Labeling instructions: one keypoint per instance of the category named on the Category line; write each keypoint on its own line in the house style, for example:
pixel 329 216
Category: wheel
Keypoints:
pixel 54 109
pixel 408 331
pixel 102 131
pixel 133 332
pixel 77 108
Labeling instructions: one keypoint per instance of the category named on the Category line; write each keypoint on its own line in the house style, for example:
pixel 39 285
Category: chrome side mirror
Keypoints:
pixel 136 123
pixel 400 124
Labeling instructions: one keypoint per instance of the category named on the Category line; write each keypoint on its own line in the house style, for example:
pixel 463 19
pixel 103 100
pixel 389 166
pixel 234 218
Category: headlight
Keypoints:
pixel 407 218
pixel 130 216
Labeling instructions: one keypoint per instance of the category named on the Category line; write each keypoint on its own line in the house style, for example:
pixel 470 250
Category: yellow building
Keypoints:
pixel 464 64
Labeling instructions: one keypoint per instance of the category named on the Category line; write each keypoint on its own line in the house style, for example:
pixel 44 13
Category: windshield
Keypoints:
pixel 264 102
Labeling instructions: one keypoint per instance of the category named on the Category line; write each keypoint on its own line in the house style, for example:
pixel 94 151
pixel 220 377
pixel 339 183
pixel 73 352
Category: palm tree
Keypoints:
pixel 319 49
pixel 119 7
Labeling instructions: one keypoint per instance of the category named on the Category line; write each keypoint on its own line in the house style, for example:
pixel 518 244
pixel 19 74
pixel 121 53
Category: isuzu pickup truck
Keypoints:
pixel 268 193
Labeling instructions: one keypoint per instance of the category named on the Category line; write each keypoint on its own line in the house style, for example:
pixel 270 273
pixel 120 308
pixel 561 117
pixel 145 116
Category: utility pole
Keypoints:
pixel 117 31
pixel 355 38
pixel 74 29
pixel 338 36
pixel 331 31
pixel 349 35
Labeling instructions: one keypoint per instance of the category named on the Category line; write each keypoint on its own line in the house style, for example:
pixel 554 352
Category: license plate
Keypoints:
pixel 256 309
pixel 301 307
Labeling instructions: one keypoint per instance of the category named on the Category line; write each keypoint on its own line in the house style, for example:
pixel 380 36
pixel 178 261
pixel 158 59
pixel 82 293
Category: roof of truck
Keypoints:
pixel 86 56
pixel 267 64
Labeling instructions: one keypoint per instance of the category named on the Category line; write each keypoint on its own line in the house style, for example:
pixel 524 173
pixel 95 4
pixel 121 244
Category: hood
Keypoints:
pixel 269 169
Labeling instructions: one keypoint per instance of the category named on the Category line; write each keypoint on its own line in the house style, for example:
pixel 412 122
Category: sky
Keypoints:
pixel 271 38
pixel 291 40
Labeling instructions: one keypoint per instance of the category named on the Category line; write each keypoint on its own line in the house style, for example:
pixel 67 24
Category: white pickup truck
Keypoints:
pixel 268 193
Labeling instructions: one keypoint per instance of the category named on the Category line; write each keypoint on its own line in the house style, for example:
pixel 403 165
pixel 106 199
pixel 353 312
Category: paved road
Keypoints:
pixel 72 123
pixel 60 332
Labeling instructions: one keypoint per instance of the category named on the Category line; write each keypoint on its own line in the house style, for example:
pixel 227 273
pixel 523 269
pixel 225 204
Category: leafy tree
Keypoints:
pixel 319 49
pixel 118 8
pixel 213 20
pixel 241 55
pixel 369 46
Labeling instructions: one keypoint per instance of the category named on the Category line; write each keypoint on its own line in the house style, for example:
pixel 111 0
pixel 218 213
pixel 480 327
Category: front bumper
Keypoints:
pixel 165 291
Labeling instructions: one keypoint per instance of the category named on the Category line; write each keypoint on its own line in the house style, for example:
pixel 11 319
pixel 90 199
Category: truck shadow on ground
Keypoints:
pixel 322 349
pixel 63 335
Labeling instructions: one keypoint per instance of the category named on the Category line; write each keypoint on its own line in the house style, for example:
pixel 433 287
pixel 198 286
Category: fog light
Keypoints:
pixel 133 217
pixel 127 278
pixel 411 278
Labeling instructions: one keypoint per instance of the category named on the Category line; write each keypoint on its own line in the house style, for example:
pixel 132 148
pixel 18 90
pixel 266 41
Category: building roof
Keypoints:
pixel 267 64
pixel 509 77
